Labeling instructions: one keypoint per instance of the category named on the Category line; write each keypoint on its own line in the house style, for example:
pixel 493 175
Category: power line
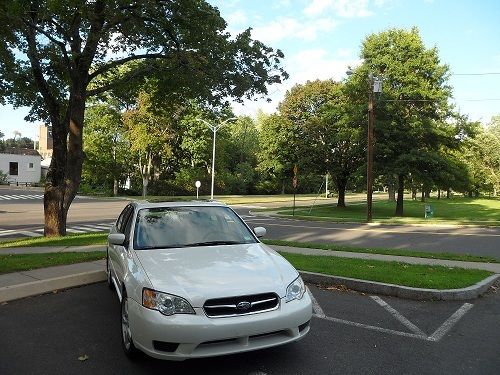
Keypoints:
pixel 476 74
pixel 437 100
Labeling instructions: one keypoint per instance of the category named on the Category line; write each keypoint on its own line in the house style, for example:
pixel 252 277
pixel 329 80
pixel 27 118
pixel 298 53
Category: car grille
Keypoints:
pixel 241 305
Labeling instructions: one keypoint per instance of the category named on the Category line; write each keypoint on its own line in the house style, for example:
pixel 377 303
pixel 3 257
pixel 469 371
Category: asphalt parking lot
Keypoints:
pixel 351 333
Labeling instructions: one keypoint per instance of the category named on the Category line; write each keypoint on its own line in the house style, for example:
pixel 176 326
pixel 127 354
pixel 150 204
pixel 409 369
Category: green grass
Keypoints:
pixel 25 262
pixel 98 238
pixel 400 252
pixel 481 211
pixel 418 276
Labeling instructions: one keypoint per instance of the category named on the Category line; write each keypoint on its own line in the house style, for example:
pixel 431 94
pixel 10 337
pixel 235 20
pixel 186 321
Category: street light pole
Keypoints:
pixel 214 129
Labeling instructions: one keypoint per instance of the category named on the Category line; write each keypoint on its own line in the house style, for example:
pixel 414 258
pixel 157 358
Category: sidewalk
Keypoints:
pixel 29 283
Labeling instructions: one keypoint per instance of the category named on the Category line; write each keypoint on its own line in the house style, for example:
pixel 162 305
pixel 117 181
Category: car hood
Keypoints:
pixel 201 273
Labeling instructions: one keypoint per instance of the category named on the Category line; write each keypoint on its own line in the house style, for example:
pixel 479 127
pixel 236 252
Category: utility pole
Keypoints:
pixel 369 165
pixel 375 86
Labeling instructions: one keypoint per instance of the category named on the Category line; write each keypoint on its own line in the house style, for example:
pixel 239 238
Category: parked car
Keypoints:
pixel 194 281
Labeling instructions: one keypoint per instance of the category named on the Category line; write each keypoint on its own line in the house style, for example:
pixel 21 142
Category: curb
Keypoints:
pixel 13 292
pixel 10 293
pixel 393 290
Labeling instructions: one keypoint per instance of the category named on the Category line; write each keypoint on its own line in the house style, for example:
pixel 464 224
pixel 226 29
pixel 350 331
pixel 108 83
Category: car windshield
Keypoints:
pixel 173 227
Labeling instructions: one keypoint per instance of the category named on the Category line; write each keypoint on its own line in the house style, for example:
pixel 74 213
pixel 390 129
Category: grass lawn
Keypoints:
pixel 481 211
pixel 96 238
pixel 419 276
pixel 25 262
pixel 243 199
pixel 408 253
pixel 388 272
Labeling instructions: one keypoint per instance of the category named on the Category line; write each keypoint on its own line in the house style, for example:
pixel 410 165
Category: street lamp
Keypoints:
pixel 214 129
pixel 375 86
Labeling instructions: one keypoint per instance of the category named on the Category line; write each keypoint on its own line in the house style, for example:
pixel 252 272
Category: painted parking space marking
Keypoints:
pixel 450 322
pixel 412 327
pixel 417 333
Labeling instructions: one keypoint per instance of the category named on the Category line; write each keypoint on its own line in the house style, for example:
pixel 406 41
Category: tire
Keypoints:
pixel 127 342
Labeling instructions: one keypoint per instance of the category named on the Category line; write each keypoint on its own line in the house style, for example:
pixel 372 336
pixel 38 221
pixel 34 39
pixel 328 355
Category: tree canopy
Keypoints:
pixel 54 55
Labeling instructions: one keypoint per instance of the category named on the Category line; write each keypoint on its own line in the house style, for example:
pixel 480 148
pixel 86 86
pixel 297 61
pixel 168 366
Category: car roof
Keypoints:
pixel 194 203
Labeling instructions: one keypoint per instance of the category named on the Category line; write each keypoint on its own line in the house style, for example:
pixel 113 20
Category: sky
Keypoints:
pixel 321 38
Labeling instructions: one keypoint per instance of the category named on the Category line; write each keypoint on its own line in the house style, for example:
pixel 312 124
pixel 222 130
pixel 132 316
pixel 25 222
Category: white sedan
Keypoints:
pixel 194 281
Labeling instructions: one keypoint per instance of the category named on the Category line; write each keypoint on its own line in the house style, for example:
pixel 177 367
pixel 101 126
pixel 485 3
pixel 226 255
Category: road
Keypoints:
pixel 350 334
pixel 24 217
pixel 431 238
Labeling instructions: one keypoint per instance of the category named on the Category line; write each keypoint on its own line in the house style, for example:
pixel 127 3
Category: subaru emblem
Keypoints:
pixel 243 305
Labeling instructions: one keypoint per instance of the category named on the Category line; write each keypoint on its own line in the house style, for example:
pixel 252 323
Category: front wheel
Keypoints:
pixel 127 342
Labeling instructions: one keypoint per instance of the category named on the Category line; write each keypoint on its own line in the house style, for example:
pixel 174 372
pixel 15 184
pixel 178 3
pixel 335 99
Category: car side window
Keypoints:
pixel 122 220
pixel 128 223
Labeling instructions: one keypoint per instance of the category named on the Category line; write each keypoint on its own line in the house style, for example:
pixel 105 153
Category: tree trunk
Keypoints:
pixel 427 194
pixel 391 191
pixel 341 186
pixel 401 190
pixel 448 192
pixel 414 194
pixel 65 169
pixel 115 187
pixel 439 194
pixel 145 182
pixel 341 198
pixel 282 186
pixel 422 198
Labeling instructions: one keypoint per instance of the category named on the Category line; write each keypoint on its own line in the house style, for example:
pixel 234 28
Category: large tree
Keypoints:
pixel 54 55
pixel 410 114
pixel 107 151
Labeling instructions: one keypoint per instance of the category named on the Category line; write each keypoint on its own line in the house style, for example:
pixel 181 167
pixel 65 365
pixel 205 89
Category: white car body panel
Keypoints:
pixel 201 273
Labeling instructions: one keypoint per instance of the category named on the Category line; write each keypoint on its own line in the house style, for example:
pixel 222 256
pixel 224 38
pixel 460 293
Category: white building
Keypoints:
pixel 21 165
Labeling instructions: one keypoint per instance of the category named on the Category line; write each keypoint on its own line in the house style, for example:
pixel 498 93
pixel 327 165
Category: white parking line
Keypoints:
pixel 417 332
pixel 450 322
pixel 412 327
pixel 316 307
pixel 374 328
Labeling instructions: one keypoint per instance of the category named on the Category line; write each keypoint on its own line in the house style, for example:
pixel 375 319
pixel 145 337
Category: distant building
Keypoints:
pixel 45 144
pixel 21 165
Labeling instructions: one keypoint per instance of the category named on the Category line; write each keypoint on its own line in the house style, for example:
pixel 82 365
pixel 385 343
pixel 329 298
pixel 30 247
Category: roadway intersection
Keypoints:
pixel 24 218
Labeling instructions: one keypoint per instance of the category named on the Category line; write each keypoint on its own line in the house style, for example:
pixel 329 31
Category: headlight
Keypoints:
pixel 167 304
pixel 295 290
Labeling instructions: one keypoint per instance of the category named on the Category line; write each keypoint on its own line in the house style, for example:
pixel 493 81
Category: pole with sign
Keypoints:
pixel 294 184
pixel 197 184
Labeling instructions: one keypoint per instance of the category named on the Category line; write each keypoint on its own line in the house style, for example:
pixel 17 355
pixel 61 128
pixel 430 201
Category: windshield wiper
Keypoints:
pixel 158 247
pixel 214 243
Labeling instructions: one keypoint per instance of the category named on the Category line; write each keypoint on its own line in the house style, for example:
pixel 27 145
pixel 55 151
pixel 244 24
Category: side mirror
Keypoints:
pixel 116 238
pixel 260 231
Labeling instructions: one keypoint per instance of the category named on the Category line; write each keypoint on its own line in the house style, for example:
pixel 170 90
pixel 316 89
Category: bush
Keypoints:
pixel 3 178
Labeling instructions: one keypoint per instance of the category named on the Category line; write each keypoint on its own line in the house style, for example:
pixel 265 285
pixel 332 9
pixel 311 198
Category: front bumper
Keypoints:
pixel 184 336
